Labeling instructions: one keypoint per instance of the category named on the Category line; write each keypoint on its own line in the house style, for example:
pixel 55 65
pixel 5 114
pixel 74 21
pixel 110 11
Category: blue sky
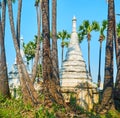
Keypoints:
pixel 82 9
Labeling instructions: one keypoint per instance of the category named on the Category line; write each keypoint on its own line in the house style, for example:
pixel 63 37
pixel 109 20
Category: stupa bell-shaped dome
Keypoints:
pixel 74 69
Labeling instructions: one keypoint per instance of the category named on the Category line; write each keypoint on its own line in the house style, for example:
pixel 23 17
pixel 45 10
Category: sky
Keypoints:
pixel 82 9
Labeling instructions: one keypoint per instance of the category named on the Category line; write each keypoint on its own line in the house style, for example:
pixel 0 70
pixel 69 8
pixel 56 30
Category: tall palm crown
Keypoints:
pixel 63 35
pixel 102 29
pixel 85 30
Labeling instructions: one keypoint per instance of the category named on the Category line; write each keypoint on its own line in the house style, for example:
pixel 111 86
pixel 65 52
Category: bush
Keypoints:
pixel 44 113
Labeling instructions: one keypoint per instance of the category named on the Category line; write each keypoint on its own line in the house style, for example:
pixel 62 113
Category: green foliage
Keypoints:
pixel 72 100
pixel 28 107
pixel 11 108
pixel 30 48
pixel 63 35
pixel 86 28
pixel 111 114
pixel 2 98
pixel 44 113
pixel 103 28
pixel 73 104
pixel 57 108
pixel 14 108
pixel 118 30
pixel 95 26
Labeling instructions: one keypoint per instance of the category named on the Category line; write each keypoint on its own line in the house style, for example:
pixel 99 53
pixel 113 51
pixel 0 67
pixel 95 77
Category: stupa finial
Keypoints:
pixel 74 24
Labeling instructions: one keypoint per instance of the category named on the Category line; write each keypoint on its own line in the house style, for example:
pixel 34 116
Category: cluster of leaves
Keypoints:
pixel 14 108
pixel 11 108
pixel 86 28
pixel 30 48
pixel 111 114
pixel 44 113
pixel 63 35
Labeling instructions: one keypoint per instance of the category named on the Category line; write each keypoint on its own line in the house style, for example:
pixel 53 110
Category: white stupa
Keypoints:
pixel 74 68
pixel 74 75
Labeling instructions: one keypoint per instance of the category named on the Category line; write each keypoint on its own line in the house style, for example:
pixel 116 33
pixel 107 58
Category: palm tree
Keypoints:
pixel 117 84
pixel 63 35
pixel 107 102
pixel 54 42
pixel 52 91
pixel 18 21
pixel 30 96
pixel 85 29
pixel 3 67
pixel 37 52
pixel 101 38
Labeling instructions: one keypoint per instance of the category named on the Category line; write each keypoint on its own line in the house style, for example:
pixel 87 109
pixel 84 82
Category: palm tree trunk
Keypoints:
pixel 62 55
pixel 18 21
pixel 52 91
pixel 89 68
pixel 99 70
pixel 117 50
pixel 37 54
pixel 29 94
pixel 3 67
pixel 54 43
pixel 117 83
pixel 4 87
pixel 108 101
pixel 3 16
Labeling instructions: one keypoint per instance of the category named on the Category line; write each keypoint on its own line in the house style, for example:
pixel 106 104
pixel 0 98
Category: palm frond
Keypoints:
pixel 80 37
pixel 81 27
pixel 86 23
pixel 95 26
pixel 104 24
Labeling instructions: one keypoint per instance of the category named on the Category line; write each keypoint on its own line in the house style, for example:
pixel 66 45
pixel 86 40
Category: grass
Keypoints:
pixel 14 108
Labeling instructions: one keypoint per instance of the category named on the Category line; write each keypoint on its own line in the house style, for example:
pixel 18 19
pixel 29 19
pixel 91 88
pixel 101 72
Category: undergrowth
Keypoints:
pixel 14 108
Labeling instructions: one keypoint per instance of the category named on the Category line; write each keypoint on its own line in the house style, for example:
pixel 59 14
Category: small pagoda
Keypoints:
pixel 75 79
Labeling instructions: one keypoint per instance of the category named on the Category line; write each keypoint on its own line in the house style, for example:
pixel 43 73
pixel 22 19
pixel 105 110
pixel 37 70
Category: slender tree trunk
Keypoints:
pixel 117 50
pixel 89 68
pixel 54 42
pixel 62 55
pixel 47 69
pixel 3 16
pixel 108 101
pixel 18 21
pixel 52 92
pixel 37 54
pixel 29 94
pixel 99 70
pixel 117 83
pixel 4 87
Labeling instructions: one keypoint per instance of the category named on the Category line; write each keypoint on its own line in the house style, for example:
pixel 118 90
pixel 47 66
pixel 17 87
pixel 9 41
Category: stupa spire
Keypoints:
pixel 74 24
